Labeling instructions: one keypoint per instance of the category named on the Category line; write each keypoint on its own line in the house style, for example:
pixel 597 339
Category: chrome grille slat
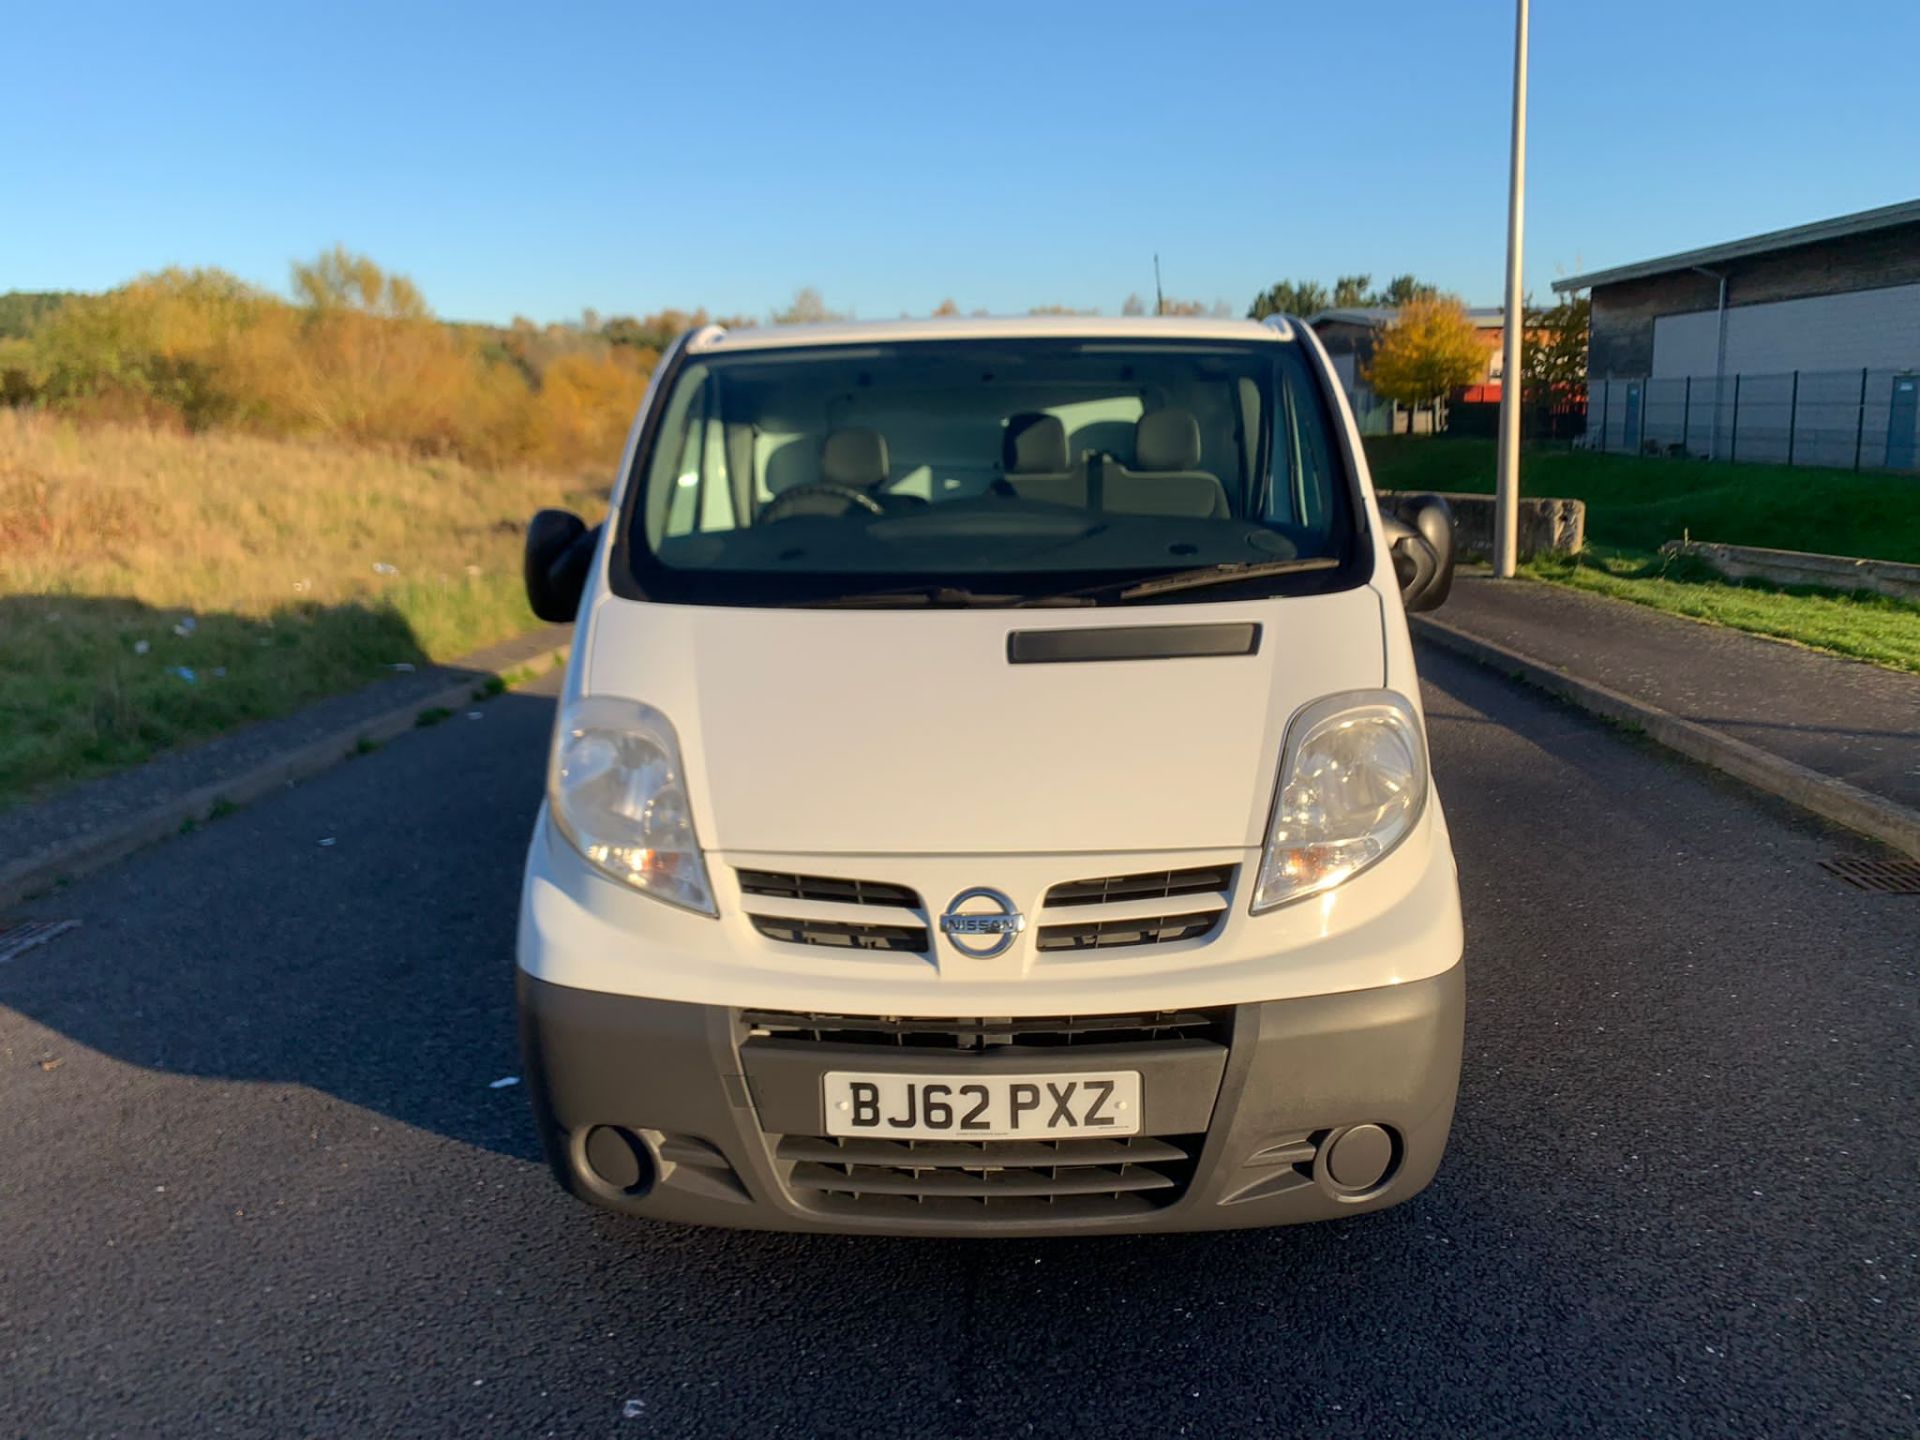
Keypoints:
pixel 1112 934
pixel 783 885
pixel 840 934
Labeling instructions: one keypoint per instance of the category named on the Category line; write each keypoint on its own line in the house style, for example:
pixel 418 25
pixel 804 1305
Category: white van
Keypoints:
pixel 990 793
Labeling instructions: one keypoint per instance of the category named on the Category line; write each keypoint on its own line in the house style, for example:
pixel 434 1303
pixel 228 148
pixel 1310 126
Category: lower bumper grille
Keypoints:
pixel 942 1179
pixel 895 1031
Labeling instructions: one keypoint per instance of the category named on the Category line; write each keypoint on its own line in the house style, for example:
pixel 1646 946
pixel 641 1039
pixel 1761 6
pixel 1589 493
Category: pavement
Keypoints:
pixel 1843 718
pixel 97 821
pixel 255 1179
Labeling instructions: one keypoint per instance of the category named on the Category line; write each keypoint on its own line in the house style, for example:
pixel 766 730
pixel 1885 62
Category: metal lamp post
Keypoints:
pixel 1506 506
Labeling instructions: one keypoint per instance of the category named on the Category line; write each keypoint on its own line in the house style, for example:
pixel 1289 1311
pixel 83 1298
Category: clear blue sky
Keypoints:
pixel 534 159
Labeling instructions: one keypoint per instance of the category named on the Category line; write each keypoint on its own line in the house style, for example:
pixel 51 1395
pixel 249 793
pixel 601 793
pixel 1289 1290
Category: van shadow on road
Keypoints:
pixel 354 934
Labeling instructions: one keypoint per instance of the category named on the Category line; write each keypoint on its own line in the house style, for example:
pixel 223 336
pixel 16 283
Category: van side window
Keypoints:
pixel 700 497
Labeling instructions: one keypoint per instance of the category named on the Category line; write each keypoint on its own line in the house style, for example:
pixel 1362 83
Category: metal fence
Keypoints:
pixel 1850 419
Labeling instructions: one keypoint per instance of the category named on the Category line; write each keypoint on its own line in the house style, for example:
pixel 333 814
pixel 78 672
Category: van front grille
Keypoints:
pixel 1079 914
pixel 945 1179
pixel 1146 1028
pixel 1153 885
pixel 898 923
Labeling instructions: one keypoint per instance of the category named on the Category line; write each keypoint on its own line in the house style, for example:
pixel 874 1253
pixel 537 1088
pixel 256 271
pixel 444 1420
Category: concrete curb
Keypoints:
pixel 120 837
pixel 1831 799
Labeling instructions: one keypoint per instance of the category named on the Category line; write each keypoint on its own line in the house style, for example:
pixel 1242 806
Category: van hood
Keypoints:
pixel 910 732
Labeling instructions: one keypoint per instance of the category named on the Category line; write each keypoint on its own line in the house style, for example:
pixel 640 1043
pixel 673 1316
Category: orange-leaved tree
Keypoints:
pixel 1431 348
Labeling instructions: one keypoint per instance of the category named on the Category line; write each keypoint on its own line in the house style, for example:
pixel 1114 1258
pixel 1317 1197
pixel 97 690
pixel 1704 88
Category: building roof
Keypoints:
pixel 1378 317
pixel 1907 212
pixel 962 327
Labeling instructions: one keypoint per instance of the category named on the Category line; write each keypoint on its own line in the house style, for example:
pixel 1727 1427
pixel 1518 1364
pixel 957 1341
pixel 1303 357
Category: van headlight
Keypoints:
pixel 617 790
pixel 1353 780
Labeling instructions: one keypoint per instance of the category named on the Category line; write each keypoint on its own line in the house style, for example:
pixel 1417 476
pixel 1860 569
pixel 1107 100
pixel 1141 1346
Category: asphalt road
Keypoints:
pixel 254 1180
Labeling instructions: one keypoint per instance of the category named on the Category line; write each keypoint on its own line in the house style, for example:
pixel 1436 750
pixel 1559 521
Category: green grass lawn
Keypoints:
pixel 1640 504
pixel 1862 626
pixel 1634 505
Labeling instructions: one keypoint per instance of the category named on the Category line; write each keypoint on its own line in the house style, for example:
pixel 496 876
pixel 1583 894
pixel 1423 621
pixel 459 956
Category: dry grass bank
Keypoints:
pixel 271 572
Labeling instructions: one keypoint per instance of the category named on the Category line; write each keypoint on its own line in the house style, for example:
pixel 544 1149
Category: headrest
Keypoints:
pixel 1166 440
pixel 856 458
pixel 1035 444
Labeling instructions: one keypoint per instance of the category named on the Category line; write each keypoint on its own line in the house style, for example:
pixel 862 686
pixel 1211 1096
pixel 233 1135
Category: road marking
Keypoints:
pixel 23 935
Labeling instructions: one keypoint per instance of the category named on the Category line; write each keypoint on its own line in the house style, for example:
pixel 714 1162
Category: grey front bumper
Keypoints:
pixel 676 1112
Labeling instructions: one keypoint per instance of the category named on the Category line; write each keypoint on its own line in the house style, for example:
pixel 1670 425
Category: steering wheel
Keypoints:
pixel 774 510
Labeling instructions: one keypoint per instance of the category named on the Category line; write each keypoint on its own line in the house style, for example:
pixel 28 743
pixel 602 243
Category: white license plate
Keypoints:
pixel 983 1107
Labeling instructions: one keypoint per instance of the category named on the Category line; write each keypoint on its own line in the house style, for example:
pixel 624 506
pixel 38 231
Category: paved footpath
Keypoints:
pixel 1844 718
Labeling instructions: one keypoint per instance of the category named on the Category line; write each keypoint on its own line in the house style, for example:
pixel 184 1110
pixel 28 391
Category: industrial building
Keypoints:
pixel 1799 346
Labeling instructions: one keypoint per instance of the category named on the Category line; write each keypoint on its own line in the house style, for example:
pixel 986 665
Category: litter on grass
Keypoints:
pixel 405 667
pixel 380 567
pixel 140 647
pixel 186 626
pixel 503 1082
pixel 184 673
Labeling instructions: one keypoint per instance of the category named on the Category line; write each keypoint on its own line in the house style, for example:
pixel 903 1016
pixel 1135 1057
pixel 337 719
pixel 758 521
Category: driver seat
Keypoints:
pixel 854 458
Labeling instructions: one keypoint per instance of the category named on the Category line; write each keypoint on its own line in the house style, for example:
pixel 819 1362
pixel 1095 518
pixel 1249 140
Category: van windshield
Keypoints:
pixel 990 472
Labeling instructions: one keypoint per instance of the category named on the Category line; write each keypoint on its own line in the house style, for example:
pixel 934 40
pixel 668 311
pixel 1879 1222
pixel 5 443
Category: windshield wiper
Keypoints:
pixel 936 596
pixel 1226 573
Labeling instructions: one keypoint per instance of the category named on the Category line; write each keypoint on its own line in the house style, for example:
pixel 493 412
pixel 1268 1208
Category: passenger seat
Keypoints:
pixel 1033 456
pixel 1166 478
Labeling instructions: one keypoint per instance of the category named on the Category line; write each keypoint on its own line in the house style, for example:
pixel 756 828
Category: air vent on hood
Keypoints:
pixel 1131 642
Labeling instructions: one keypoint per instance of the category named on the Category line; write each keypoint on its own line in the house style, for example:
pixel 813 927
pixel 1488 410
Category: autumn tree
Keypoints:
pixel 947 307
pixel 340 280
pixel 1553 355
pixel 1430 349
pixel 807 307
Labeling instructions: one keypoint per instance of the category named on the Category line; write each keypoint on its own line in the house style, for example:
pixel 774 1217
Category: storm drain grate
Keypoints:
pixel 1880 877
pixel 23 935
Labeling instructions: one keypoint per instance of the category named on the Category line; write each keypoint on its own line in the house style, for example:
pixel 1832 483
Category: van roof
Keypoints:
pixel 714 338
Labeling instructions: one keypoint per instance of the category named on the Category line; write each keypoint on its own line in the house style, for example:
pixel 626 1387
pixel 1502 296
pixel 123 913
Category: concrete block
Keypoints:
pixel 1801 567
pixel 1547 527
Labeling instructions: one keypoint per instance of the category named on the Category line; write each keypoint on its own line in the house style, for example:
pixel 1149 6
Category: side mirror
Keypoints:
pixel 1422 548
pixel 558 555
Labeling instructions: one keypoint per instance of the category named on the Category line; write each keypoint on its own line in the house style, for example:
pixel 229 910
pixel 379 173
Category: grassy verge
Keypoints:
pixel 157 589
pixel 1638 503
pixel 1862 626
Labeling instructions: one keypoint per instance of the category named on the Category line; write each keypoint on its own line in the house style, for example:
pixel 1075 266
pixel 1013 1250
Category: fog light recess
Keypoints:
pixel 1357 1160
pixel 616 1159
